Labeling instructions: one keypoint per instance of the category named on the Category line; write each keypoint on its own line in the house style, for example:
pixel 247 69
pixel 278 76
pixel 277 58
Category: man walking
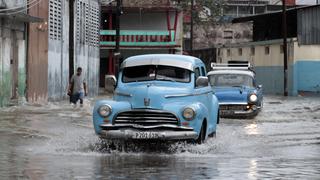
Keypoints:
pixel 77 87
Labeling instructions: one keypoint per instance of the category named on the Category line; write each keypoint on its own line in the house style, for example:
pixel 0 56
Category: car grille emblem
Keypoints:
pixel 146 101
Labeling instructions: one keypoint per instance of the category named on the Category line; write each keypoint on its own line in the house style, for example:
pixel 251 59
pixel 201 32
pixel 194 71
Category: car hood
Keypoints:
pixel 232 94
pixel 153 94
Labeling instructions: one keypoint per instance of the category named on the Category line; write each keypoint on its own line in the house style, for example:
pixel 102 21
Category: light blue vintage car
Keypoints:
pixel 159 97
pixel 236 89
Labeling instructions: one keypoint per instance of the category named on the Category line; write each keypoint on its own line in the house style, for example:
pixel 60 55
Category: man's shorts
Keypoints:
pixel 77 96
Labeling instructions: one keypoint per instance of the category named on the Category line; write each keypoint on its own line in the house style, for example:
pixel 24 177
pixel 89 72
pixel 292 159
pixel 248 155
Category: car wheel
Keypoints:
pixel 202 135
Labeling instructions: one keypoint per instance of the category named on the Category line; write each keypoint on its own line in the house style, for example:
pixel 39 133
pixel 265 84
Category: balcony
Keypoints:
pixel 138 39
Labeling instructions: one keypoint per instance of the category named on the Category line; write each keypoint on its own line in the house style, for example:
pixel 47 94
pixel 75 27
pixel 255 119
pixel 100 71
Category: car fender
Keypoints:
pixel 116 107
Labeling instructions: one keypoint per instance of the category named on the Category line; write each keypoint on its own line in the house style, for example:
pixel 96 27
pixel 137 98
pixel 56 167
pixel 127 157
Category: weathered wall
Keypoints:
pixel 268 66
pixel 12 57
pixel 307 68
pixel 58 49
pixel 37 62
pixel 208 36
pixel 86 41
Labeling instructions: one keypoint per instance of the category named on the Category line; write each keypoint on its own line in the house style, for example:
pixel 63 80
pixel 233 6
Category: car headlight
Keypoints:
pixel 253 98
pixel 105 110
pixel 188 113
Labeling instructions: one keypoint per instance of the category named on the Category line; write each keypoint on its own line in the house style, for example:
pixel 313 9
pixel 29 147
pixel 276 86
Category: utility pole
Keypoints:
pixel 191 27
pixel 117 49
pixel 285 49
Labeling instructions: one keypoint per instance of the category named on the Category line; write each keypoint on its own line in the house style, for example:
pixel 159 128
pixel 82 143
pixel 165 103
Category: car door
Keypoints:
pixel 204 95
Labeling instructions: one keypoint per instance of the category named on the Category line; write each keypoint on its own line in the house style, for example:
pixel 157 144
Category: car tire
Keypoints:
pixel 202 135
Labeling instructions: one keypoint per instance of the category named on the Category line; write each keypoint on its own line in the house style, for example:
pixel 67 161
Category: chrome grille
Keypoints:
pixel 146 118
pixel 233 107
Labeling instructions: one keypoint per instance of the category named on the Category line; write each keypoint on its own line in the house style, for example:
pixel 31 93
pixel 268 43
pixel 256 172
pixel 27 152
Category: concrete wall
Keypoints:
pixel 12 57
pixel 208 36
pixel 307 68
pixel 58 57
pixel 86 42
pixel 268 66
pixel 37 63
pixel 303 65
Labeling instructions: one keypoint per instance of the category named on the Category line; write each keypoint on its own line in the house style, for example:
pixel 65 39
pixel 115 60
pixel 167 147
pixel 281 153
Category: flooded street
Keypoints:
pixel 57 141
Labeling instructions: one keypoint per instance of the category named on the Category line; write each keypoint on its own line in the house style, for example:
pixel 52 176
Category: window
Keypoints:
pixel 203 71
pixel 228 34
pixel 196 73
pixel 231 80
pixel 253 51
pixel 87 23
pixel 228 52
pixel 55 18
pixel 152 73
pixel 267 50
pixel 240 51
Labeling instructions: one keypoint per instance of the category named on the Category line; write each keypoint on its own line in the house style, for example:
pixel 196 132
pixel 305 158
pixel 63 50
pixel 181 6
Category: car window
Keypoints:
pixel 203 71
pixel 152 72
pixel 231 80
pixel 196 73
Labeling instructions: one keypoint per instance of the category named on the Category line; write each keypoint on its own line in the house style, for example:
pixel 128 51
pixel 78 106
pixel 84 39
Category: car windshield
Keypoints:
pixel 152 72
pixel 231 80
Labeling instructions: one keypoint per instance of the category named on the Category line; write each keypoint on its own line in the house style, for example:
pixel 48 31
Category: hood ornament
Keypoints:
pixel 146 101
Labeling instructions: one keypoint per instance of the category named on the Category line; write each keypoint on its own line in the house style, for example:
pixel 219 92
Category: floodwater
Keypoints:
pixel 57 141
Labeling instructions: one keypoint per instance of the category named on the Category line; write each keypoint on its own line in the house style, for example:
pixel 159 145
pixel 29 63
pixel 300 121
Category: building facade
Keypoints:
pixel 13 49
pixel 67 38
pixel 42 42
pixel 265 52
pixel 153 26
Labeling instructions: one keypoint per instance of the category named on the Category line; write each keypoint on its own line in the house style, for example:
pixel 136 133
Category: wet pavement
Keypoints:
pixel 57 141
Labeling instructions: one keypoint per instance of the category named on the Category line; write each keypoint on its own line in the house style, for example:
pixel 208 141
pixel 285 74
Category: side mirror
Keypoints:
pixel 202 81
pixel 110 83
pixel 259 86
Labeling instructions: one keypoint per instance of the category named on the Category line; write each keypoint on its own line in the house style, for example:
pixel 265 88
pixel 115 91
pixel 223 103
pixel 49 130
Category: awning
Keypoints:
pixel 22 17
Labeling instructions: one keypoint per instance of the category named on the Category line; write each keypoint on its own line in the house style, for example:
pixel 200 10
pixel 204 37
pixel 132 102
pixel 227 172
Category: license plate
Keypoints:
pixel 146 135
pixel 223 113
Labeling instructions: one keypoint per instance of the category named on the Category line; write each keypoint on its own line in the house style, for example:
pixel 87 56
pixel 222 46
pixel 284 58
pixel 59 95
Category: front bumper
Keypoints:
pixel 137 132
pixel 246 112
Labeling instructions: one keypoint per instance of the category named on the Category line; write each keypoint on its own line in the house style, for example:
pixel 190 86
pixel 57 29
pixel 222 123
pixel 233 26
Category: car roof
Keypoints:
pixel 242 72
pixel 181 61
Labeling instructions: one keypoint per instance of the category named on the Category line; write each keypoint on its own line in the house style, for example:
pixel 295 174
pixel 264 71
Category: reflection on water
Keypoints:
pixel 253 169
pixel 252 129
pixel 57 141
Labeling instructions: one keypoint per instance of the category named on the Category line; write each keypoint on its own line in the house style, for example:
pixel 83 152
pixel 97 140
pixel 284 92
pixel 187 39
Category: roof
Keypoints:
pixel 242 72
pixel 264 15
pixel 181 61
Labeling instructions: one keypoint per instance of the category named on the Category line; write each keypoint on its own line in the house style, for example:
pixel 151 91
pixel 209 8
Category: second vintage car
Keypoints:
pixel 236 89
pixel 159 97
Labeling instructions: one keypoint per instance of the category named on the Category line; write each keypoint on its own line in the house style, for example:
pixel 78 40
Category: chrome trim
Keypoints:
pixel 123 94
pixel 194 113
pixel 108 107
pixel 126 134
pixel 185 95
pixel 159 61
pixel 147 111
pixel 233 103
pixel 147 127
